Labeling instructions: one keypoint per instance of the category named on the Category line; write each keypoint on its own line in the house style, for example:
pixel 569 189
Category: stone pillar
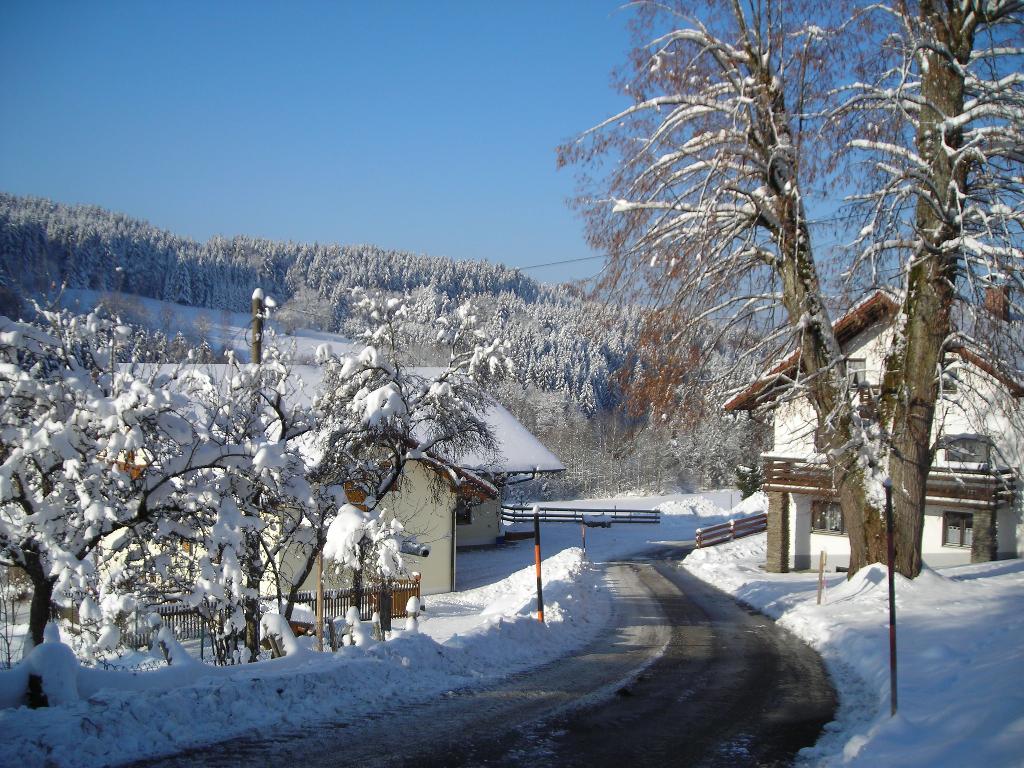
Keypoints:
pixel 985 544
pixel 777 560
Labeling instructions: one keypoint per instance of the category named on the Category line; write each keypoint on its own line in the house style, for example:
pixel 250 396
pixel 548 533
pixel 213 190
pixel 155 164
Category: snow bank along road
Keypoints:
pixel 683 676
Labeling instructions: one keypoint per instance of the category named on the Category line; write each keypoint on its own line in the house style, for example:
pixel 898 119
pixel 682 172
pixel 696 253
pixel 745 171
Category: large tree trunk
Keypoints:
pixel 822 363
pixel 911 382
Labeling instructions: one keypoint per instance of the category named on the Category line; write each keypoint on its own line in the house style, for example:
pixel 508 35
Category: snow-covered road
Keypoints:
pixel 682 675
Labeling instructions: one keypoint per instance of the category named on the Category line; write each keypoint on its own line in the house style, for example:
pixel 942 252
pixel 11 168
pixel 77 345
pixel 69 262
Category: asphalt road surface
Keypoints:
pixel 683 676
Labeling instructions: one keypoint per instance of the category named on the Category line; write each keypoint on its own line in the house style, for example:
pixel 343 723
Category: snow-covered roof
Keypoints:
pixel 515 451
pixel 879 306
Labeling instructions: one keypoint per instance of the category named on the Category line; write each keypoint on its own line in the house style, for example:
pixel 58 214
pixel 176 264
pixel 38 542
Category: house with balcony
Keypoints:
pixel 973 509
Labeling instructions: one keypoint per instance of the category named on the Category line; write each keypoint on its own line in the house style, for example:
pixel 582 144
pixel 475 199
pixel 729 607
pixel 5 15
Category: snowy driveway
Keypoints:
pixel 683 675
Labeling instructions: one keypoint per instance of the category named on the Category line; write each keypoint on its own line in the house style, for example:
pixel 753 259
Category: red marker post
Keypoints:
pixel 536 555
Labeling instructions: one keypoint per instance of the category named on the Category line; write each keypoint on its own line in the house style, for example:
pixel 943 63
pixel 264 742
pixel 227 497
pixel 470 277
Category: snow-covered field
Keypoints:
pixel 485 631
pixel 960 653
pixel 222 329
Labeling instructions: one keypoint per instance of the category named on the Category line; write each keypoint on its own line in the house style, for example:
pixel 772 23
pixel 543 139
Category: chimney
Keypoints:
pixel 997 301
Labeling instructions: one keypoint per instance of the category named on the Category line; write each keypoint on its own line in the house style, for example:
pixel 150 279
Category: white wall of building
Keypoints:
pixel 805 546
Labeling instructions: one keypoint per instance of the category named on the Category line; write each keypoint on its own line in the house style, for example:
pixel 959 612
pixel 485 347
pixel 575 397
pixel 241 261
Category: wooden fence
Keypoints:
pixel 734 529
pixel 389 599
pixel 186 623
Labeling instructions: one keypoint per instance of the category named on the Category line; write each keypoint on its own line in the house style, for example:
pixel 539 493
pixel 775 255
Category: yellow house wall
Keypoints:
pixel 485 527
pixel 424 506
pixel 425 510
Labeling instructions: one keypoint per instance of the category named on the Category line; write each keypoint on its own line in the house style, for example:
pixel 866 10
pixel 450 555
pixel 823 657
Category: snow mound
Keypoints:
pixel 115 716
pixel 697 506
pixel 755 504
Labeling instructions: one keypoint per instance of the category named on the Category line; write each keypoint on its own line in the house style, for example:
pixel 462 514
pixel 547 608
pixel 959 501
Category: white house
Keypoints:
pixel 973 507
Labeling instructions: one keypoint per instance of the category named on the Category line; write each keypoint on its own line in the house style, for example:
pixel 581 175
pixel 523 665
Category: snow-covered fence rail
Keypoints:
pixel 596 517
pixel 338 601
pixel 733 529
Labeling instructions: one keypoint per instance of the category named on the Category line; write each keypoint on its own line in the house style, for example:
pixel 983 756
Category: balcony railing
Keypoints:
pixel 952 485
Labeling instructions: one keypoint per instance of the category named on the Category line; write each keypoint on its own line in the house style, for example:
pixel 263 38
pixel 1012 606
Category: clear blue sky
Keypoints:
pixel 426 126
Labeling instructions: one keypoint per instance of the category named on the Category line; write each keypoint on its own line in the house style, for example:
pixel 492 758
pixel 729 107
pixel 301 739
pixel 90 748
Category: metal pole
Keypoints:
pixel 892 595
pixel 583 528
pixel 536 555
pixel 320 602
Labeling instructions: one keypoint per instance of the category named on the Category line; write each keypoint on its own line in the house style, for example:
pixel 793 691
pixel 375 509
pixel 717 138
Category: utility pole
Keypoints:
pixel 252 626
pixel 257 325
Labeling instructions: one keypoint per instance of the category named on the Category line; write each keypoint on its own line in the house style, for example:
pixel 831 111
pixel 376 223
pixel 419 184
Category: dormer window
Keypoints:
pixel 974 449
pixel 857 372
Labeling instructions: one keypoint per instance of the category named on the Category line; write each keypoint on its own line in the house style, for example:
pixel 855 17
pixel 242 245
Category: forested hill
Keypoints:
pixel 561 342
pixel 44 242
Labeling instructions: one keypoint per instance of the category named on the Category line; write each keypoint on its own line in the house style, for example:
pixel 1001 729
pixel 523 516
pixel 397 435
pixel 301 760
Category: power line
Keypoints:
pixel 557 263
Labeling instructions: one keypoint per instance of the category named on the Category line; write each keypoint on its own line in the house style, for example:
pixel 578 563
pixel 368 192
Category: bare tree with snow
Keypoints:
pixel 705 211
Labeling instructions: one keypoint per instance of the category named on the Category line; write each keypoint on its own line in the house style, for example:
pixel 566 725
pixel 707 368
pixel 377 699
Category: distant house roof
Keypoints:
pixel 878 306
pixel 516 449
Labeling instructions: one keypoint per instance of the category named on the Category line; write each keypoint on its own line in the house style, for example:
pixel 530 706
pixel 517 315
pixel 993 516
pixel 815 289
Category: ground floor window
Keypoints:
pixel 957 529
pixel 827 517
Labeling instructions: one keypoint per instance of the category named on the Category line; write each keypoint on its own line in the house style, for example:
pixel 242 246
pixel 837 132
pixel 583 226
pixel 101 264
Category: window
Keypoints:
pixel 827 517
pixel 949 379
pixel 463 513
pixel 857 372
pixel 957 529
pixel 973 449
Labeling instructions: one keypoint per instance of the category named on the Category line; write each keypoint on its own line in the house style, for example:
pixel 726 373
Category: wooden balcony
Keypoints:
pixel 965 486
